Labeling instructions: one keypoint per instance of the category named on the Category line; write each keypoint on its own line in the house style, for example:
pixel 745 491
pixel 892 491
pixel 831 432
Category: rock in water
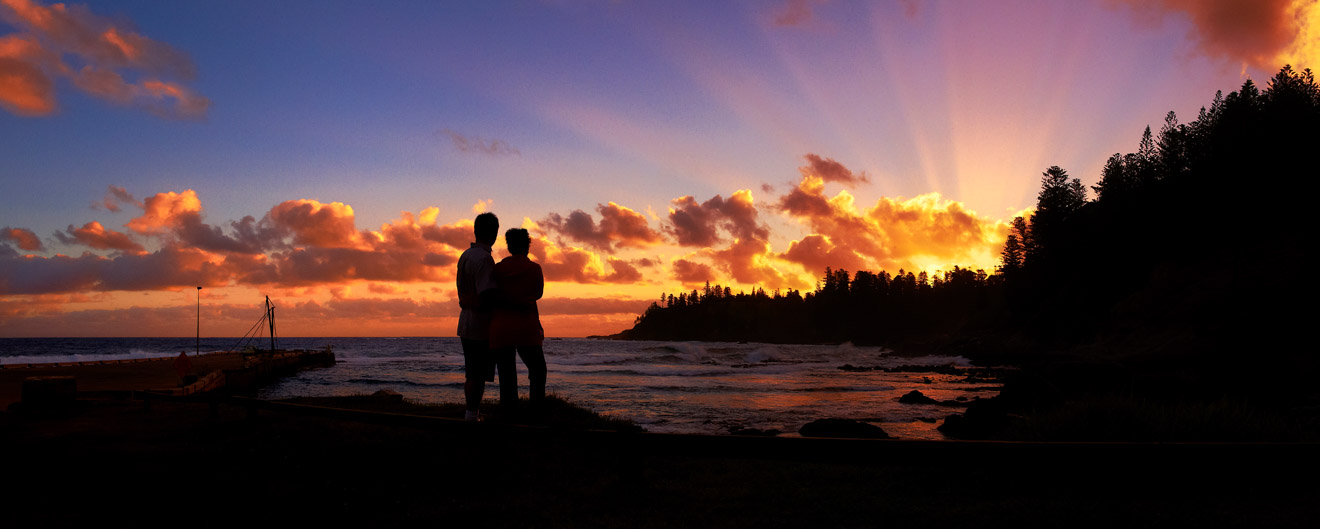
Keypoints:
pixel 983 419
pixel 842 428
pixel 387 395
pixel 754 432
pixel 916 397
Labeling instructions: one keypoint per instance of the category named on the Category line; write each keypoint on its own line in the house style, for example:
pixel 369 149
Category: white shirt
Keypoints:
pixel 476 274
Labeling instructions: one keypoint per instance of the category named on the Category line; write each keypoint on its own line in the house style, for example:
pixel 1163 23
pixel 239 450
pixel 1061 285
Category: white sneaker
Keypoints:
pixel 472 416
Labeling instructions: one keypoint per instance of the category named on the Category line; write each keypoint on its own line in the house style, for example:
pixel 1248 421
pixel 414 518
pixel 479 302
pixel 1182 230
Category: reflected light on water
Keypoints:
pixel 673 387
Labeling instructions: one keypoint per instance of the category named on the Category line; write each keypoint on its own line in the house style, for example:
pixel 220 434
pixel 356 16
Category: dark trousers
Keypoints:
pixel 534 358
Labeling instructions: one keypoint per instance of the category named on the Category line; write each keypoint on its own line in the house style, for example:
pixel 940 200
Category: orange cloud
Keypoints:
pixel 622 272
pixel 619 227
pixel 931 225
pixel 408 232
pixel 31 60
pixel 816 252
pixel 582 306
pixel 297 243
pixel 167 99
pixel 693 272
pixel 383 288
pixel 304 243
pixel 318 265
pixel 164 210
pixel 918 233
pixel 94 235
pixel 1265 34
pixel 167 268
pixel 24 238
pixel 749 261
pixel 829 170
pixel 578 265
pixel 25 89
pixel 457 235
pixel 314 223
pixel 33 316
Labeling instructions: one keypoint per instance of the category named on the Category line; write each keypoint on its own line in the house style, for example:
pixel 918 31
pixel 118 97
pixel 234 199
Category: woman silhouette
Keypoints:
pixel 515 326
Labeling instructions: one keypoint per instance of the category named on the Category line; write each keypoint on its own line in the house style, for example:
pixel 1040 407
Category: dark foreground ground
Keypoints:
pixel 112 463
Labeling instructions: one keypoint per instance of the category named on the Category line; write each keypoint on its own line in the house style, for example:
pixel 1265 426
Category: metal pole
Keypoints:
pixel 270 320
pixel 199 322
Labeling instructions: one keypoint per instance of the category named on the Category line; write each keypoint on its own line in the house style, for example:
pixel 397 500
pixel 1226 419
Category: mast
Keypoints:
pixel 270 318
pixel 199 322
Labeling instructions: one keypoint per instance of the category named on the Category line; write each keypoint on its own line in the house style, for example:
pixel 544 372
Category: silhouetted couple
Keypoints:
pixel 499 317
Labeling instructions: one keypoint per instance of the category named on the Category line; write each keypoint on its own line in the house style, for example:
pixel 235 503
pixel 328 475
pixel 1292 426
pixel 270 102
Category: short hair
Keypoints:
pixel 518 241
pixel 486 227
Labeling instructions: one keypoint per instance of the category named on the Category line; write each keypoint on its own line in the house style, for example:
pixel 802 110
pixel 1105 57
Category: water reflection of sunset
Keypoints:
pixel 682 387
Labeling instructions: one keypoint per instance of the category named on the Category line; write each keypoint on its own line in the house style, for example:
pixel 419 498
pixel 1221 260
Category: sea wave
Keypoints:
pixel 641 371
pixel 89 357
pixel 401 382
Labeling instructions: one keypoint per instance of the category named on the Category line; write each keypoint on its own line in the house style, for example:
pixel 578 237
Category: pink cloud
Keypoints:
pixel 115 198
pixel 479 145
pixel 693 272
pixel 24 238
pixel 698 224
pixel 32 59
pixel 619 227
pixel 794 13
pixel 94 235
pixel 829 170
pixel 1263 33
pixel 164 269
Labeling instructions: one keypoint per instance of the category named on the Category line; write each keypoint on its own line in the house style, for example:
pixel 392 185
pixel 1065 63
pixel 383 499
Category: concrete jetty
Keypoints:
pixel 235 371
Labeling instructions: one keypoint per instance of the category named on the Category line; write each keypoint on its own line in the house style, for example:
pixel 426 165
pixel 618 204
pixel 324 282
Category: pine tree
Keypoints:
pixel 1114 180
pixel 1058 198
pixel 1171 149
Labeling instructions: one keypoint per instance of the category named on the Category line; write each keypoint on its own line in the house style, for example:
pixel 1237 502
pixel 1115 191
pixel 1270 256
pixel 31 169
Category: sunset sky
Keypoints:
pixel 332 155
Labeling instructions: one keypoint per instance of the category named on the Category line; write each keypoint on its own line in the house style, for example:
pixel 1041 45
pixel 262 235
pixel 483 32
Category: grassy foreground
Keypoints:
pixel 112 463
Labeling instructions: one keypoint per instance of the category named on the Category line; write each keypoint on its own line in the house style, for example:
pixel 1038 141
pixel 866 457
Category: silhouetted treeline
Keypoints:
pixel 1194 239
pixel 1192 245
pixel 865 307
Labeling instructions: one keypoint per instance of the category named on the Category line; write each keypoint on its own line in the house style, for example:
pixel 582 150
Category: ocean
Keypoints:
pixel 672 387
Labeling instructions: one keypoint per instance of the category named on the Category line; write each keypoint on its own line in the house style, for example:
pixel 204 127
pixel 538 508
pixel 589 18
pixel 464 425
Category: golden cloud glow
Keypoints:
pixel 164 210
pixel 314 255
pixel 925 232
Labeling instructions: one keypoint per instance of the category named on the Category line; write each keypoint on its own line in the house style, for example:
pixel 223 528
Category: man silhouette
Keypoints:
pixel 476 299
